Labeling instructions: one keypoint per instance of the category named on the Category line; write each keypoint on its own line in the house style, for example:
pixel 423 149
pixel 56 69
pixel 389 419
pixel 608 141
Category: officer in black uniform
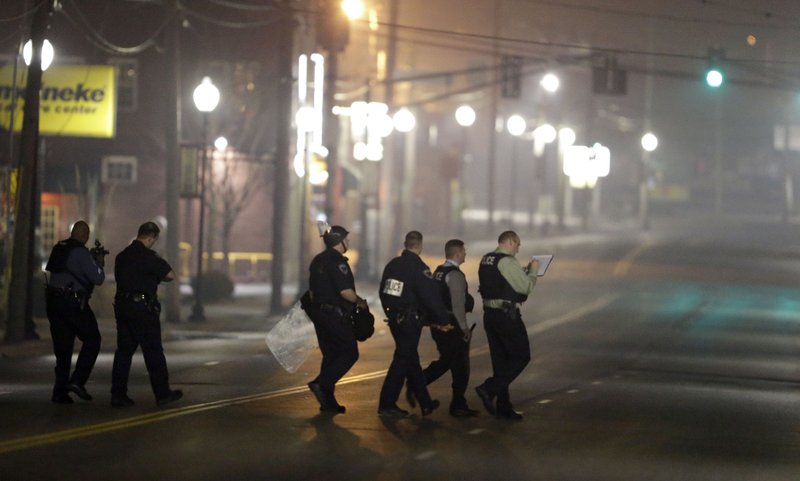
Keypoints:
pixel 73 274
pixel 333 294
pixel 138 271
pixel 410 297
pixel 453 346
pixel 504 285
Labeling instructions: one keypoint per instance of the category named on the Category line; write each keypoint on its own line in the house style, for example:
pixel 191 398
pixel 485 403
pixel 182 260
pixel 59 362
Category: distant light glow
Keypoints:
pixel 404 120
pixel 48 53
pixel 516 125
pixel 465 116
pixel 206 96
pixel 550 82
pixel 545 134
pixel 714 78
pixel 221 143
pixel 354 9
pixel 649 142
pixel 566 137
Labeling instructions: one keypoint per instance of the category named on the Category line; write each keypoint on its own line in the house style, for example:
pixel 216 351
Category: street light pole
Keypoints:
pixel 20 290
pixel 206 98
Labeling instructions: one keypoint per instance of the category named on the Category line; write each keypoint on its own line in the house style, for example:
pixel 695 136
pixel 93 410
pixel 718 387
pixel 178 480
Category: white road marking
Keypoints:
pixel 211 363
pixel 475 431
pixel 545 401
pixel 573 391
pixel 426 455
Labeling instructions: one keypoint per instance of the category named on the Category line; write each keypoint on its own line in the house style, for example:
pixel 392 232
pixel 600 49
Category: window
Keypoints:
pixel 119 169
pixel 48 227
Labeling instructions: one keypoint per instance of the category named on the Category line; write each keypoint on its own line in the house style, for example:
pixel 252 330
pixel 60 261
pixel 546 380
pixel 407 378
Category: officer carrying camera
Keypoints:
pixel 74 271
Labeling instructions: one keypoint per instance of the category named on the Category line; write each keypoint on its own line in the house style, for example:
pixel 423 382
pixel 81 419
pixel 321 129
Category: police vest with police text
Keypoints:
pixel 492 283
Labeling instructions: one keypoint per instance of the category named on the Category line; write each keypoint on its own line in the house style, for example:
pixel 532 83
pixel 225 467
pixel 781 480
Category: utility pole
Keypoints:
pixel 491 159
pixel 172 80
pixel 20 292
pixel 280 196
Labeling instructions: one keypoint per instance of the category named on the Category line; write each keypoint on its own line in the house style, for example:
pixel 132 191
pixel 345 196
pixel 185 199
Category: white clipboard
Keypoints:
pixel 544 263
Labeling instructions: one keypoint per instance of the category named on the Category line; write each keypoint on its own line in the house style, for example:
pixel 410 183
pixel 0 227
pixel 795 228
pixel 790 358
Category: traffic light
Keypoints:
pixel 715 75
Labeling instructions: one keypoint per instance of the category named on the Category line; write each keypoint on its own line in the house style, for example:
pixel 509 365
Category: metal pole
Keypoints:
pixel 20 292
pixel 198 313
pixel 280 187
pixel 172 133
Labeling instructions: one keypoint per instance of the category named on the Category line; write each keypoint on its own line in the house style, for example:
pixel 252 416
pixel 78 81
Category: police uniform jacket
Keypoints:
pixel 72 267
pixel 407 285
pixel 139 270
pixel 329 275
pixel 502 279
pixel 454 291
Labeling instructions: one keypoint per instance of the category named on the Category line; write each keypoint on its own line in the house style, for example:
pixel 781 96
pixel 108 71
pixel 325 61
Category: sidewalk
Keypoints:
pixel 246 311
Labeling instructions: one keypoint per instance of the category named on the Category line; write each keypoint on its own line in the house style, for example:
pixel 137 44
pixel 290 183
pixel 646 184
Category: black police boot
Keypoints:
pixel 62 398
pixel 121 401
pixel 431 407
pixel 509 414
pixel 393 411
pixel 463 411
pixel 487 399
pixel 171 397
pixel 79 391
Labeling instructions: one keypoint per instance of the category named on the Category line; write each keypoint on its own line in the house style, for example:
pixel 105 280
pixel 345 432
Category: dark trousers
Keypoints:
pixel 510 351
pixel 68 321
pixel 137 325
pixel 453 357
pixel 405 365
pixel 338 345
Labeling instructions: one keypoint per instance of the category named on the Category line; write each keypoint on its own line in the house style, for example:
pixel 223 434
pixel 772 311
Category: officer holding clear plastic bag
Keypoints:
pixel 333 297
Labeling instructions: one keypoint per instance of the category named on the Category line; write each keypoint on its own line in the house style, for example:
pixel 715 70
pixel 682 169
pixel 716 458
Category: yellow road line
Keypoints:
pixel 100 428
pixel 110 426
pixel 623 266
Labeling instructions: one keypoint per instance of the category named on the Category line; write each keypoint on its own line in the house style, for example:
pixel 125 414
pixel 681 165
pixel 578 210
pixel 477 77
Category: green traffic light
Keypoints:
pixel 714 78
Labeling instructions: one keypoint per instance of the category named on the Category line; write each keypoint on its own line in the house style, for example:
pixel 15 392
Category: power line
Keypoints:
pixel 22 15
pixel 104 44
pixel 671 18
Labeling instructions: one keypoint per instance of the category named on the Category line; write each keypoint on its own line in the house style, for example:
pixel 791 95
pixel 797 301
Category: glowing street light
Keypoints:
pixel 354 9
pixel 48 53
pixel 206 99
pixel 550 82
pixel 404 121
pixel 516 125
pixel 649 142
pixel 465 116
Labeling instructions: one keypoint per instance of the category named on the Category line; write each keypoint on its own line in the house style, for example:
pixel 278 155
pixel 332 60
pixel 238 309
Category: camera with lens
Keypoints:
pixel 99 253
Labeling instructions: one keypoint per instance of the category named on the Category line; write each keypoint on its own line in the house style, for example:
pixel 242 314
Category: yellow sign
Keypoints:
pixel 75 100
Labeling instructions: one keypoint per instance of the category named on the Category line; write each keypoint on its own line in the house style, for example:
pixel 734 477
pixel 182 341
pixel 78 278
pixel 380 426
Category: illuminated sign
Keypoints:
pixel 75 100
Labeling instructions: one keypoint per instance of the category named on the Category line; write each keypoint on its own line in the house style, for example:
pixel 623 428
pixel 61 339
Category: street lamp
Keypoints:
pixel 649 144
pixel 550 82
pixel 48 53
pixel 206 98
pixel 465 116
pixel 516 126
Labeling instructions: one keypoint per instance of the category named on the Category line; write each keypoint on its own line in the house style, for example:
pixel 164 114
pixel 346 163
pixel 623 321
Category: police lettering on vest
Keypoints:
pixel 492 283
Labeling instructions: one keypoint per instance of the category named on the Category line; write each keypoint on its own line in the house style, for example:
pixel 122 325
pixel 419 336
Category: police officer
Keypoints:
pixel 410 297
pixel 333 293
pixel 453 346
pixel 504 285
pixel 73 274
pixel 138 271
